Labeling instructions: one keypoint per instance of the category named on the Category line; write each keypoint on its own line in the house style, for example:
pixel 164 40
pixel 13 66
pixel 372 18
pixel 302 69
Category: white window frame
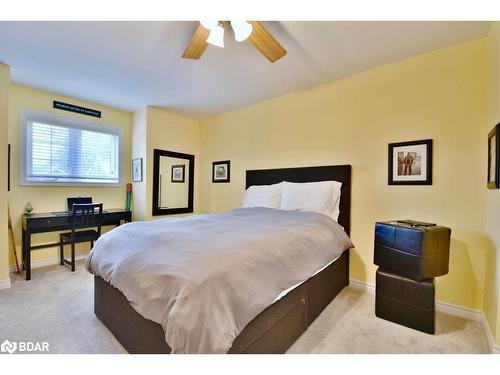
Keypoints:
pixel 28 115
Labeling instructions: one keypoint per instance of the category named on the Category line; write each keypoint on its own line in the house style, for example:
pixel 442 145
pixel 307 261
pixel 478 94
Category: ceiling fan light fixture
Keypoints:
pixel 209 24
pixel 216 36
pixel 212 32
pixel 242 30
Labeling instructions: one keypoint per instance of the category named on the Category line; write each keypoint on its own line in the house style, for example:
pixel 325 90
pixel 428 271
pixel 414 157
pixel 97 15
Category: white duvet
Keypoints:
pixel 204 277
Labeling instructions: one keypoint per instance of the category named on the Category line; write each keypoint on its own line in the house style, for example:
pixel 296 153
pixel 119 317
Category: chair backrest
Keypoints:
pixel 86 215
pixel 77 200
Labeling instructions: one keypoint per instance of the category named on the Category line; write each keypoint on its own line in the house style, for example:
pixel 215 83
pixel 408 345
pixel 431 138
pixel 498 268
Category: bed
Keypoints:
pixel 279 325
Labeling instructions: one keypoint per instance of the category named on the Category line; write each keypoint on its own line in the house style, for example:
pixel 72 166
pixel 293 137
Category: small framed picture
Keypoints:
pixel 494 158
pixel 178 173
pixel 137 170
pixel 221 171
pixel 410 163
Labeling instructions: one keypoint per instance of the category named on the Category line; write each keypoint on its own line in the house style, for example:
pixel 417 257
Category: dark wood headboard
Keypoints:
pixel 340 173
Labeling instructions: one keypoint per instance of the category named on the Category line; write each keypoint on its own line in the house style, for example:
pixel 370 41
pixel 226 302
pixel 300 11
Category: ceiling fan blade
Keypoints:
pixel 265 42
pixel 197 44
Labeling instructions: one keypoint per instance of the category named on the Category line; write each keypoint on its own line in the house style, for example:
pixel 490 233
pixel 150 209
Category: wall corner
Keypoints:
pixel 4 120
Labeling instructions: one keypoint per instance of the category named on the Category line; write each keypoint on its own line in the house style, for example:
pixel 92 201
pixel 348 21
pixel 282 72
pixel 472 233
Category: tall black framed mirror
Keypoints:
pixel 173 182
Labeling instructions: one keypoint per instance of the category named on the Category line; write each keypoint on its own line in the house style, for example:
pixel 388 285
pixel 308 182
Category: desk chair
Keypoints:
pixel 83 216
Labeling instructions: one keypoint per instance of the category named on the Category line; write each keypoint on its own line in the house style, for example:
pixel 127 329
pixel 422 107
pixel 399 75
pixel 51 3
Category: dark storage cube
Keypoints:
pixel 412 249
pixel 405 301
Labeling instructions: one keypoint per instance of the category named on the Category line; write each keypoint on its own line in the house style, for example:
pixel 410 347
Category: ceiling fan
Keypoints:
pixel 213 33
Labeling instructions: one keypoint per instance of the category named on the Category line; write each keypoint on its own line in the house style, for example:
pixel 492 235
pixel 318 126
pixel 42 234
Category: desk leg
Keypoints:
pixel 28 256
pixel 23 250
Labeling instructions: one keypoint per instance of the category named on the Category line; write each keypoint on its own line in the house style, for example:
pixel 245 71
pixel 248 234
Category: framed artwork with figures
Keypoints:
pixel 494 158
pixel 410 163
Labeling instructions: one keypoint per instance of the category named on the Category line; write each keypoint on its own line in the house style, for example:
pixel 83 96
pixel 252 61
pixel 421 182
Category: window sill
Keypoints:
pixel 75 184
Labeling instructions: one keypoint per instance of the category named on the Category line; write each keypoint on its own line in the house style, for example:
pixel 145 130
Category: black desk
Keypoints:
pixel 58 221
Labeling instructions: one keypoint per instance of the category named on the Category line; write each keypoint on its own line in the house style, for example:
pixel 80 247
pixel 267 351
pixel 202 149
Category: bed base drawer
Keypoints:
pixel 278 326
pixel 282 323
pixel 324 286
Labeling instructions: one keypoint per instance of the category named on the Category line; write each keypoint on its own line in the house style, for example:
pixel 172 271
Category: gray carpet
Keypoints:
pixel 57 306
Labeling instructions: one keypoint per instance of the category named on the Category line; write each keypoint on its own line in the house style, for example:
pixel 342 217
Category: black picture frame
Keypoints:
pixel 8 167
pixel 134 177
pixel 157 154
pixel 493 178
pixel 227 178
pixel 428 161
pixel 183 168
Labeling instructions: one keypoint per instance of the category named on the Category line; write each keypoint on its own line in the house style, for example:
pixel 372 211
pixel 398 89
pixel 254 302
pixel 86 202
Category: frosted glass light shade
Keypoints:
pixel 216 36
pixel 242 30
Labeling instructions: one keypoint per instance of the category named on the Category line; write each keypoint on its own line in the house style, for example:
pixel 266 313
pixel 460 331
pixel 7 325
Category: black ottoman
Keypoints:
pixel 405 301
pixel 412 249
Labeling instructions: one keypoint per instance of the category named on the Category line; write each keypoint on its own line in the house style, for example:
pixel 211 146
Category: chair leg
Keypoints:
pixel 72 257
pixel 61 253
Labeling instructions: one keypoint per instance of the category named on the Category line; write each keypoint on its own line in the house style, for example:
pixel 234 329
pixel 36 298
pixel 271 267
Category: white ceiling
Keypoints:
pixel 130 65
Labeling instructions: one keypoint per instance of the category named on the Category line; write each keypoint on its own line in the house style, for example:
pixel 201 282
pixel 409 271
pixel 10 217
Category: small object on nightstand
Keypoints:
pixel 28 208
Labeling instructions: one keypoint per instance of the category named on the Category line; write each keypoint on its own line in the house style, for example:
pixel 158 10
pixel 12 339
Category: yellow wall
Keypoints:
pixel 139 147
pixel 4 117
pixel 166 131
pixel 492 300
pixel 53 198
pixel 440 95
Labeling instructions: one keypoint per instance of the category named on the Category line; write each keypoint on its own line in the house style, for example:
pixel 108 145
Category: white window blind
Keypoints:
pixel 67 151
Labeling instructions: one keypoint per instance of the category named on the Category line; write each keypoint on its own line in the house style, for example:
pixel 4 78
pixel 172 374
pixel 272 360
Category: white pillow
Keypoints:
pixel 263 196
pixel 322 197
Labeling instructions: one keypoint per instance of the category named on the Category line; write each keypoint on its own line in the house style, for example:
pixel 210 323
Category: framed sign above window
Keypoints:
pixel 494 158
pixel 64 151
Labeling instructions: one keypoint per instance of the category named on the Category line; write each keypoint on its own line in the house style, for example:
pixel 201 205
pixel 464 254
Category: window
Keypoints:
pixel 66 151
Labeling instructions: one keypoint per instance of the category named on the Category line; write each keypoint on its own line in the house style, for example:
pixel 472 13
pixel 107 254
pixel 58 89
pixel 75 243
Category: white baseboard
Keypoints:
pixel 447 308
pixel 46 262
pixel 4 284
pixel 495 349
pixel 362 285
